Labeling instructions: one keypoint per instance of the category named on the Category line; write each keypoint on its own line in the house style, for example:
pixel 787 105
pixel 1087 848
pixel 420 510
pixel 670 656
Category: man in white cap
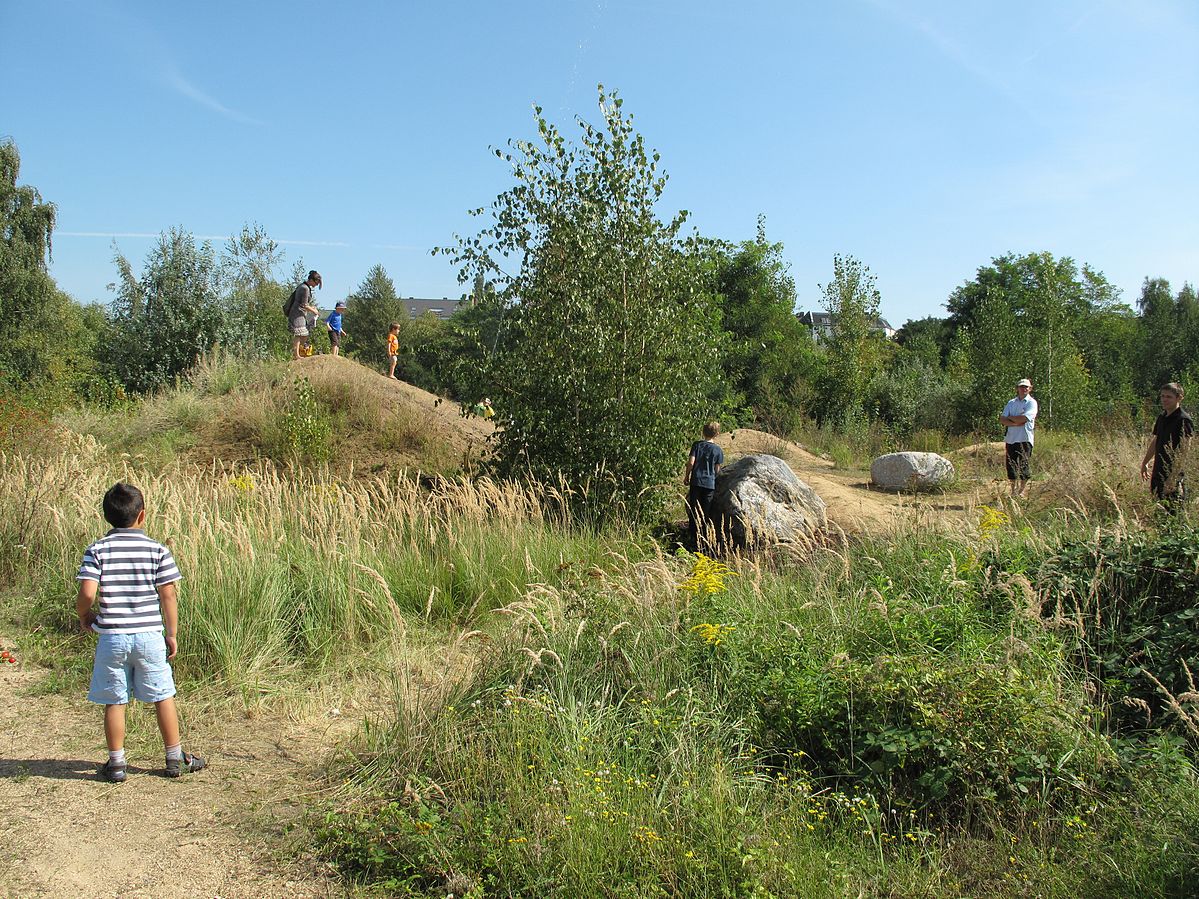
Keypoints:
pixel 1019 417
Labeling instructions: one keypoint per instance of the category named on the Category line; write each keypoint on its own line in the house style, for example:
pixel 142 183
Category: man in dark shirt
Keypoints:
pixel 1168 447
pixel 703 464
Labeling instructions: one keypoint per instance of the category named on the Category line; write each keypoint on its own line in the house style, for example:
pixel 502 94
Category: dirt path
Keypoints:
pixel 853 505
pixel 64 832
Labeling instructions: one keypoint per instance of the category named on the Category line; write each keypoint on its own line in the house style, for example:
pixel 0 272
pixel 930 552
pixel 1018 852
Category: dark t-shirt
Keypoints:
pixel 707 457
pixel 1170 430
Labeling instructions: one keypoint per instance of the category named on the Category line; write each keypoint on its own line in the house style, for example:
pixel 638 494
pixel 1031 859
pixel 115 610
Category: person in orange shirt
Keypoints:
pixel 393 347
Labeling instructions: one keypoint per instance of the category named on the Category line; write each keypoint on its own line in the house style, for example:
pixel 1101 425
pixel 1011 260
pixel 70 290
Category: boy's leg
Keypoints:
pixel 178 761
pixel 114 727
pixel 168 722
pixel 692 517
pixel 707 526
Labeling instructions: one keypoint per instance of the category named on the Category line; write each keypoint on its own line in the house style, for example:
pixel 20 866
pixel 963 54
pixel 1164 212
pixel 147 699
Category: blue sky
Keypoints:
pixel 924 138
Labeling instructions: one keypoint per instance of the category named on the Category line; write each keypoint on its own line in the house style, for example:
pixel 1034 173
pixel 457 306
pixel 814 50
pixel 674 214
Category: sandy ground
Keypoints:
pixel 65 832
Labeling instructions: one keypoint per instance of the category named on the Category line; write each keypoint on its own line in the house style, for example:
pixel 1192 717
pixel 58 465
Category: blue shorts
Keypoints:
pixel 131 664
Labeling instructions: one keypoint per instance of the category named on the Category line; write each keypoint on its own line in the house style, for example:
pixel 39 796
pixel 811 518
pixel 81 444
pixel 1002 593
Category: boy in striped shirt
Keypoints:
pixel 135 579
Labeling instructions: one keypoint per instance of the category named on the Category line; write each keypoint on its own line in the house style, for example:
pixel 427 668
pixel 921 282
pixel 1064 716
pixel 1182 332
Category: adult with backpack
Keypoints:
pixel 298 308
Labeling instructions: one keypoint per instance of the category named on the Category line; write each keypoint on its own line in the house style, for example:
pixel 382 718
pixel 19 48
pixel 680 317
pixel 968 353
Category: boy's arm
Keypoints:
pixel 1149 451
pixel 687 473
pixel 168 601
pixel 84 600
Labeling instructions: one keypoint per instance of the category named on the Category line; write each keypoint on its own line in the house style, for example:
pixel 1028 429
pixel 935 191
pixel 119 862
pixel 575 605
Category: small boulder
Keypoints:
pixel 759 499
pixel 911 471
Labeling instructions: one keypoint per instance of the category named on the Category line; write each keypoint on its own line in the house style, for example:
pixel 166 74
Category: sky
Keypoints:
pixel 924 137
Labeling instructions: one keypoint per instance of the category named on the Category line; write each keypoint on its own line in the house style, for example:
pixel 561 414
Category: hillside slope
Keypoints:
pixel 375 423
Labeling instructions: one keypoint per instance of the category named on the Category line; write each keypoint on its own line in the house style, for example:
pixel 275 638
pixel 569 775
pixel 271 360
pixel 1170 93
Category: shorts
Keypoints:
pixel 131 665
pixel 335 338
pixel 1018 457
pixel 298 326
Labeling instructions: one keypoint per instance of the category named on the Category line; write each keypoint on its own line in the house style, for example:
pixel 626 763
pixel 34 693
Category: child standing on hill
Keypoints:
pixel 393 347
pixel 135 580
pixel 703 464
pixel 336 331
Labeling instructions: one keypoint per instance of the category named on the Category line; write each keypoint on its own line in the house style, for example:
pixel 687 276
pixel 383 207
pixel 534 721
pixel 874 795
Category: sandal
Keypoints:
pixel 189 764
pixel 113 772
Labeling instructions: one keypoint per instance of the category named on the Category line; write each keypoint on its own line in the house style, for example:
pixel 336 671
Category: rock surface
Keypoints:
pixel 759 499
pixel 911 471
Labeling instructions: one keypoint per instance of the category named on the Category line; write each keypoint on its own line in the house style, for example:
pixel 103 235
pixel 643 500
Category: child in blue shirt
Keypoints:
pixel 703 464
pixel 336 331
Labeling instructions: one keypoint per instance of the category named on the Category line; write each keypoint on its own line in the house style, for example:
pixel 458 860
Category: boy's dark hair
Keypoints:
pixel 1173 387
pixel 122 504
pixel 394 326
pixel 711 429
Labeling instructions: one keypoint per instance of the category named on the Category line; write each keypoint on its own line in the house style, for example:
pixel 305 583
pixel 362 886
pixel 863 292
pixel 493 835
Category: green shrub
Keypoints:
pixel 306 426
pixel 1129 599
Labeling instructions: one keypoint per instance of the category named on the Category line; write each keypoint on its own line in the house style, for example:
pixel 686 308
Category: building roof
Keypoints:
pixel 443 308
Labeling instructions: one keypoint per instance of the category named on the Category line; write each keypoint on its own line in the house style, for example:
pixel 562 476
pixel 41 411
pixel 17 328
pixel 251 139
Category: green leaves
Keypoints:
pixel 605 363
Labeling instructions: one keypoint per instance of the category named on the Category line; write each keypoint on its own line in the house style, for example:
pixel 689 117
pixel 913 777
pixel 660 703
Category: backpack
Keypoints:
pixel 291 301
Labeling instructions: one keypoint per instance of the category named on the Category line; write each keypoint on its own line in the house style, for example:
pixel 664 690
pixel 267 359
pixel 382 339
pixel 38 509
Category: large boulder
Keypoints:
pixel 759 499
pixel 911 471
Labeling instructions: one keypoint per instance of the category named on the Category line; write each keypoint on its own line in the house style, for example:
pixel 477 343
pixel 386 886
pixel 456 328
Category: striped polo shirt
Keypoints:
pixel 129 567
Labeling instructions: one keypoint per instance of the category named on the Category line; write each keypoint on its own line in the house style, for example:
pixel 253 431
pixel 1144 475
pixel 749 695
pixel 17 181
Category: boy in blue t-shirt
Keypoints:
pixel 336 331
pixel 703 464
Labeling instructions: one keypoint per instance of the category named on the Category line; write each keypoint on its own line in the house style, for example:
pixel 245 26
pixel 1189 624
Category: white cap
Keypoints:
pixel 1024 382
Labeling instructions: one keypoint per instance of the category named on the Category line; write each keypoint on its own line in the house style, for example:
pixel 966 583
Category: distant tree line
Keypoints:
pixel 594 323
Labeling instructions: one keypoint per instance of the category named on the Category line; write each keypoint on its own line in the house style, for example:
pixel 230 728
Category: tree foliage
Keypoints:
pixel 46 338
pixel 854 351
pixel 769 358
pixel 370 310
pixel 1020 317
pixel 610 357
pixel 166 318
pixel 249 267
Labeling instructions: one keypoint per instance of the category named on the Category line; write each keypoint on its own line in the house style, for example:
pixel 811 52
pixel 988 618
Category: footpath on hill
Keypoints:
pixel 854 505
pixel 64 832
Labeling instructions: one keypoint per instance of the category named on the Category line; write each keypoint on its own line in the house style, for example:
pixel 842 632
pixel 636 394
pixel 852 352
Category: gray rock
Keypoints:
pixel 911 471
pixel 759 499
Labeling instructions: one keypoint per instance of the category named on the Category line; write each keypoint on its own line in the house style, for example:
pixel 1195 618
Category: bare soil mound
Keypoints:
pixel 380 423
pixel 853 505
pixel 439 422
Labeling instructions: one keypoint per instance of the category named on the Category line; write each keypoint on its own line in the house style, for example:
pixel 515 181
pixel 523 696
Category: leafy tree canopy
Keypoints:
pixel 611 358
pixel 770 356
pixel 370 310
pixel 45 336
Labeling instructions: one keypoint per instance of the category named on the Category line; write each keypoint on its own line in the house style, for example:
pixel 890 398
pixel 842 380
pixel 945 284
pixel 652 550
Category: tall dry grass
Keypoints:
pixel 288 575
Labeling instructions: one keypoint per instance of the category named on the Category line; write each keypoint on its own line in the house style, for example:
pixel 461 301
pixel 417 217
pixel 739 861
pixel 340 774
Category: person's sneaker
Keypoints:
pixel 113 772
pixel 189 764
